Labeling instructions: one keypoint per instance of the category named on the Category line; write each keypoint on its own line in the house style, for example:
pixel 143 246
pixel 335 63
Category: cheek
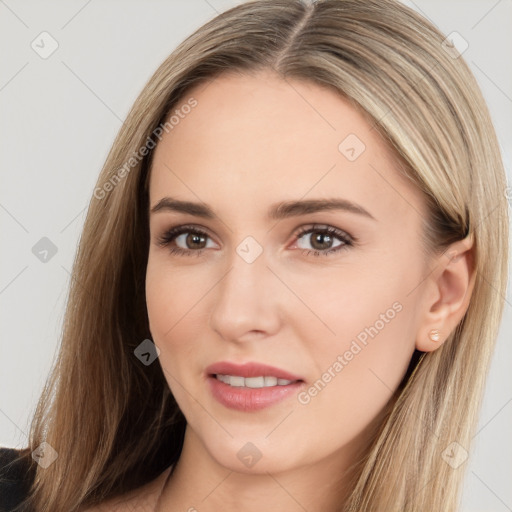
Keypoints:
pixel 168 300
pixel 363 344
pixel 337 305
pixel 171 292
pixel 168 297
pixel 356 375
pixel 176 301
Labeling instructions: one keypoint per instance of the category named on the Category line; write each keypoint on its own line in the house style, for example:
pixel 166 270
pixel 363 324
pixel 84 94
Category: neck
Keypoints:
pixel 198 482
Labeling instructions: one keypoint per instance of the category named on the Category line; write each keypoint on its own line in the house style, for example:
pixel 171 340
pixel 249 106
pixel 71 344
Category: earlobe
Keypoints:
pixel 447 294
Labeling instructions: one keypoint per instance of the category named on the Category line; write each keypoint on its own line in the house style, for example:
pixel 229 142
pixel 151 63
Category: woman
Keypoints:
pixel 280 298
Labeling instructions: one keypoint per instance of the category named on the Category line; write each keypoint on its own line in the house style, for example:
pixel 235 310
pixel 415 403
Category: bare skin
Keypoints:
pixel 250 142
pixel 142 499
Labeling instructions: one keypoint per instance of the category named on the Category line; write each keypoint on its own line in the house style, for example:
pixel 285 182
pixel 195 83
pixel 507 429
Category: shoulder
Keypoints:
pixel 17 473
pixel 16 476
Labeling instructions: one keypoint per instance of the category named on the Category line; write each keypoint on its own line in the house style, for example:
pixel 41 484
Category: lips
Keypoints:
pixel 250 370
pixel 238 386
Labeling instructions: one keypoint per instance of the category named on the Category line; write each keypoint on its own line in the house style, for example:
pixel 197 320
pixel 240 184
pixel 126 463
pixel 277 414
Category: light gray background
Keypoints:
pixel 59 117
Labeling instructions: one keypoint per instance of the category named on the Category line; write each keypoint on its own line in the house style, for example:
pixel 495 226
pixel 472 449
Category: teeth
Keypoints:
pixel 271 381
pixel 252 382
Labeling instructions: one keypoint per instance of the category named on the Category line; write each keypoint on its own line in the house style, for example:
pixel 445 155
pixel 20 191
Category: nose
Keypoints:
pixel 248 300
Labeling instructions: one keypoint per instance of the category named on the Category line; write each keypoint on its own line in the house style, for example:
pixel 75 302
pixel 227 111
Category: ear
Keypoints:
pixel 448 291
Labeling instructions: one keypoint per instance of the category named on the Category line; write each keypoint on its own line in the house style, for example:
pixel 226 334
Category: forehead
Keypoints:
pixel 254 140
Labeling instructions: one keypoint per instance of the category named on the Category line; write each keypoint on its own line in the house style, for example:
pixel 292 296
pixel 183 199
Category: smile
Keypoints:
pixel 252 382
pixel 251 394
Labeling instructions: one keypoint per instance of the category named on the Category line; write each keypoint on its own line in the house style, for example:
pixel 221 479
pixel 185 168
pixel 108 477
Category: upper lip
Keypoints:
pixel 249 370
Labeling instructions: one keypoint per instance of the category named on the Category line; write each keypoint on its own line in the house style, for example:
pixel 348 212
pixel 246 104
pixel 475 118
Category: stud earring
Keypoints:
pixel 434 335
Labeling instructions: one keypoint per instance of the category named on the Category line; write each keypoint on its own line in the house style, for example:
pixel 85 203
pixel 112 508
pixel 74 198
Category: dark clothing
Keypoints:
pixel 16 477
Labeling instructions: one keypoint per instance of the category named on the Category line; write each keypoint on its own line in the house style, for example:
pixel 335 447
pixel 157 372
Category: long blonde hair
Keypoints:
pixel 113 421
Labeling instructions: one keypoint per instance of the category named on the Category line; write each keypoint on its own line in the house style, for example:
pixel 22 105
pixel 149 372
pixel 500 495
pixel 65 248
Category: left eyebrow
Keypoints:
pixel 287 209
pixel 277 211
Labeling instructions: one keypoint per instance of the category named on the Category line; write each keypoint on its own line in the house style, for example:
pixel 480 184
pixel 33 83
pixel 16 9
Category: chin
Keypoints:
pixel 253 454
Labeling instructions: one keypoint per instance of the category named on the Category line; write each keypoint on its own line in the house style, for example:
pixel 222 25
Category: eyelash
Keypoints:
pixel 171 234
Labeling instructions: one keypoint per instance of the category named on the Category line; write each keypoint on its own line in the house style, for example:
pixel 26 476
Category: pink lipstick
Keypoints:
pixel 251 386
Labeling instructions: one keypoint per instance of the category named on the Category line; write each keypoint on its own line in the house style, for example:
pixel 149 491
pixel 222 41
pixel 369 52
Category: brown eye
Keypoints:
pixel 324 240
pixel 192 240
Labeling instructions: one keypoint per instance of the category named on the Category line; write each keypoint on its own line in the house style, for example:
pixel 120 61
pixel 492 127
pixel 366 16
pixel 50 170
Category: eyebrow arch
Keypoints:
pixel 277 211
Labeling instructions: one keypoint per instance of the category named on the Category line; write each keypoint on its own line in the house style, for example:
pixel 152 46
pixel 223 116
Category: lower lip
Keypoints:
pixel 251 399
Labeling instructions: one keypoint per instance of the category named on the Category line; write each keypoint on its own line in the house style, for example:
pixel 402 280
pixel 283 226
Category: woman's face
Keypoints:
pixel 260 280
